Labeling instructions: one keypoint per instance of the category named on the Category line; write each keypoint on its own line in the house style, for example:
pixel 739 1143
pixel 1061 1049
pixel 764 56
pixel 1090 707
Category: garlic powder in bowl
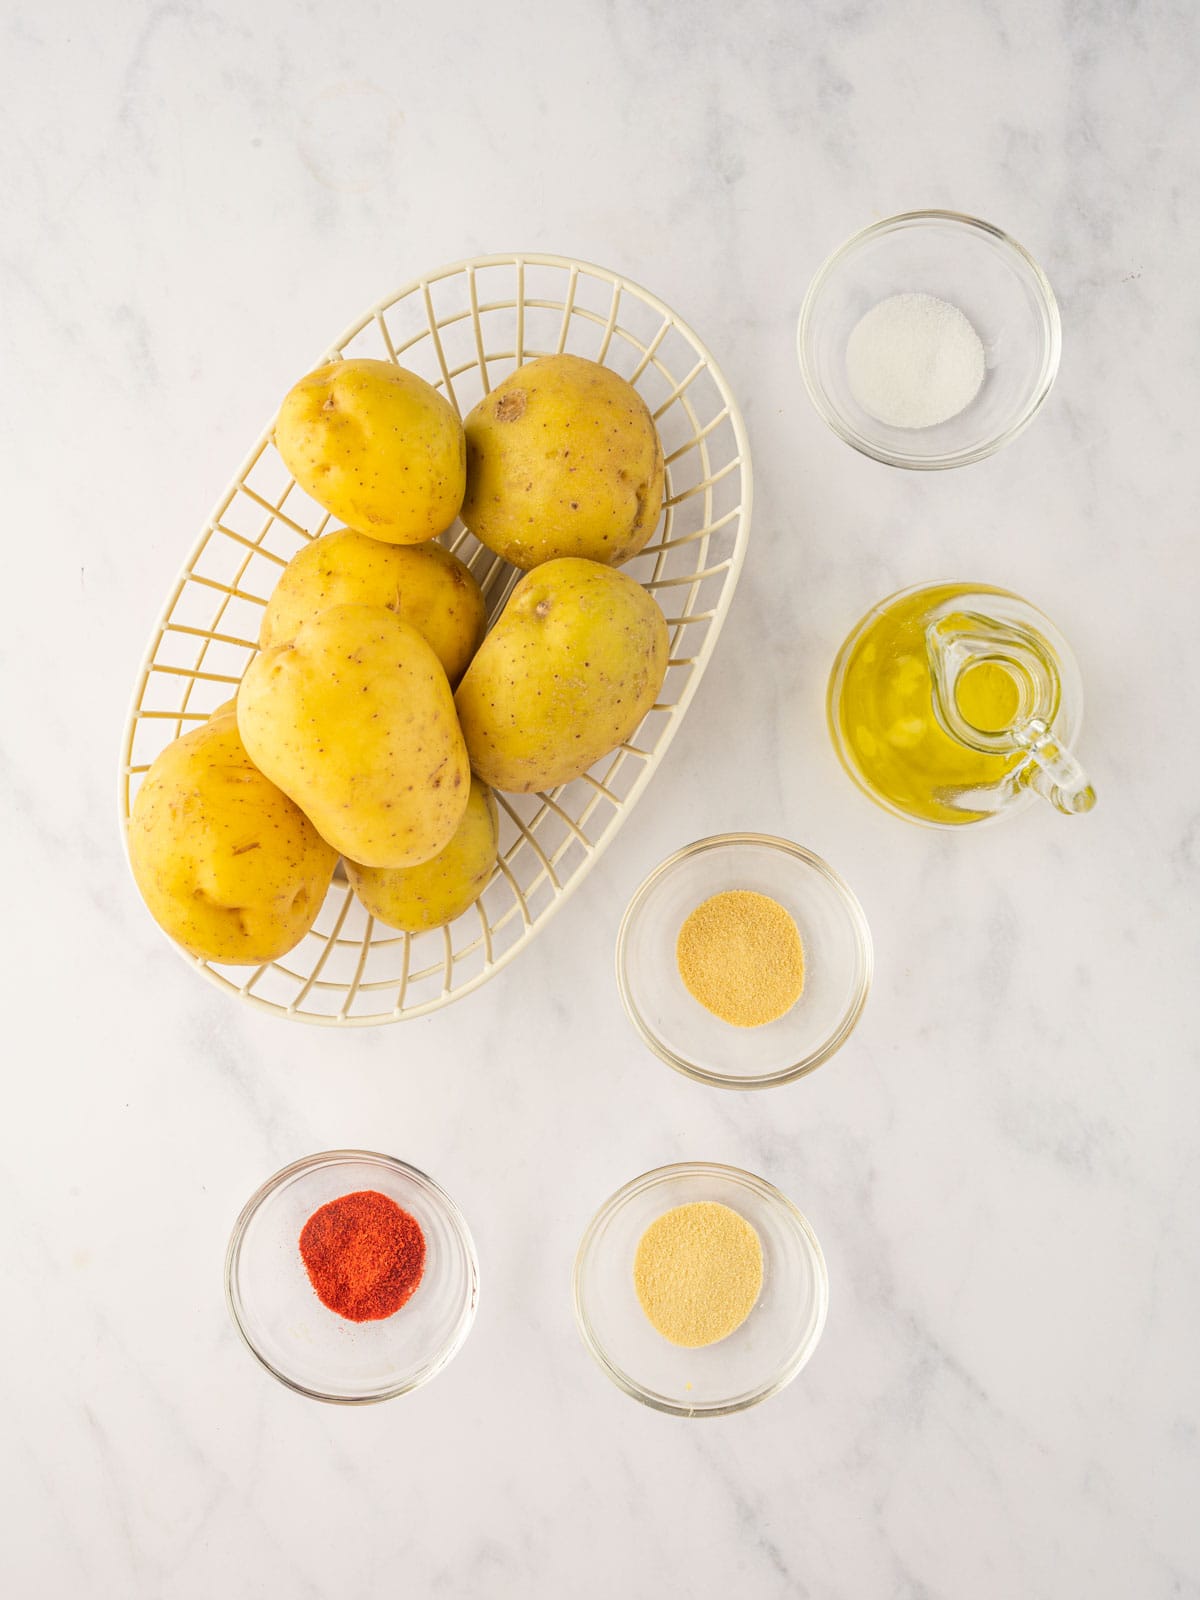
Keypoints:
pixel 733 1337
pixel 800 972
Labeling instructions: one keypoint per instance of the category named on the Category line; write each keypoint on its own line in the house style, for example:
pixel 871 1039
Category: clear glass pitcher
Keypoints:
pixel 955 702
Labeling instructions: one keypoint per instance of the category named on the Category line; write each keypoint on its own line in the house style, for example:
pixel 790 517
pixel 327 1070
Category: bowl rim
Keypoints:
pixel 767 1191
pixel 849 1018
pixel 458 1223
pixel 1052 354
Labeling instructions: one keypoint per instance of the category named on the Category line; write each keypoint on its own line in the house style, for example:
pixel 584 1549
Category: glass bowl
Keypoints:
pixel 837 962
pixel 312 1349
pixel 757 1359
pixel 976 267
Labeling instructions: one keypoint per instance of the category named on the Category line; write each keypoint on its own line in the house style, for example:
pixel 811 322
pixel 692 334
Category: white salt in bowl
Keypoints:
pixel 970 264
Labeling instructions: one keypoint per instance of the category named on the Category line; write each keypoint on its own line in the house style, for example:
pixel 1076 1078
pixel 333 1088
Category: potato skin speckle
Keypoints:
pixel 415 899
pixel 530 497
pixel 358 763
pixel 377 446
pixel 424 585
pixel 228 866
pixel 567 672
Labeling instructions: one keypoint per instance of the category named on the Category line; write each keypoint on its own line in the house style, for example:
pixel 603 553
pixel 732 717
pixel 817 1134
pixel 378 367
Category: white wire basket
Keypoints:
pixel 464 328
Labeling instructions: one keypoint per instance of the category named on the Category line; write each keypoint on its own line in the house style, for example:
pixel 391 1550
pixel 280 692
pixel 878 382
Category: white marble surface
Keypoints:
pixel 1003 1164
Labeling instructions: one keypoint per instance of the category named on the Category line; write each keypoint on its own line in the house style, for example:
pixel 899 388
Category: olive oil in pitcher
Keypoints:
pixel 952 703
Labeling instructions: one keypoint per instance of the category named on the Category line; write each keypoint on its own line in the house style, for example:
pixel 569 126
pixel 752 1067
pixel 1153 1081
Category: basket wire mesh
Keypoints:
pixel 464 328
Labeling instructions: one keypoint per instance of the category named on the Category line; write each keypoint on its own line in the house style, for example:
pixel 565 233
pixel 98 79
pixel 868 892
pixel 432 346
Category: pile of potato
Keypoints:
pixel 378 716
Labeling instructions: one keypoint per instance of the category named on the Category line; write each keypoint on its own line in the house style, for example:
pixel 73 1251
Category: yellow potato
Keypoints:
pixel 354 719
pixel 424 585
pixel 224 709
pixel 377 446
pixel 416 898
pixel 563 459
pixel 226 863
pixel 569 670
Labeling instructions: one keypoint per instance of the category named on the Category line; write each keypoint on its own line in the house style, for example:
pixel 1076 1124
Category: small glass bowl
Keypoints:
pixel 837 962
pixel 996 284
pixel 757 1359
pixel 312 1349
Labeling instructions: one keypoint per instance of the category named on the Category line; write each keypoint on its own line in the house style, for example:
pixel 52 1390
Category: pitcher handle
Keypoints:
pixel 1052 770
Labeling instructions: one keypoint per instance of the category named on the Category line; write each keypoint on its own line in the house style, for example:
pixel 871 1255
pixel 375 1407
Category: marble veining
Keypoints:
pixel 1001 1166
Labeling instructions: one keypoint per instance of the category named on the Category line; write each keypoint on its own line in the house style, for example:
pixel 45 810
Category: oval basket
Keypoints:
pixel 464 328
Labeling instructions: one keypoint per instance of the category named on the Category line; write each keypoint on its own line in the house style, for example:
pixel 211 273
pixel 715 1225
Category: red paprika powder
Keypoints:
pixel 363 1254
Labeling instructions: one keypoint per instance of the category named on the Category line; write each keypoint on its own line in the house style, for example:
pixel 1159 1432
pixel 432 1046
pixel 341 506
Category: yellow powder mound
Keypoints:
pixel 740 956
pixel 698 1271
